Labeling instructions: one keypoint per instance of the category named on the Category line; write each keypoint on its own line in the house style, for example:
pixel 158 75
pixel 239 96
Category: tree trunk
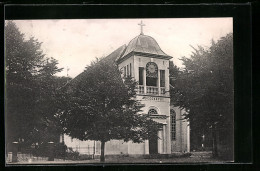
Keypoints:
pixel 102 157
pixel 214 144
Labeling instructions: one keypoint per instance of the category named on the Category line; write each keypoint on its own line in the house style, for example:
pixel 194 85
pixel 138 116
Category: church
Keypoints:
pixel 143 60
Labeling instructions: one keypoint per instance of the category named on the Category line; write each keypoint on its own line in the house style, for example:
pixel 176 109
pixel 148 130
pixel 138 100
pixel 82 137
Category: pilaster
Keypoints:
pixel 146 147
pixel 144 78
pixel 164 140
pixel 160 141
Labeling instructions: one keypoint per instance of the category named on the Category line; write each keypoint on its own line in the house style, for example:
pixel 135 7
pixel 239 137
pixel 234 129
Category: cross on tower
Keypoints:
pixel 141 24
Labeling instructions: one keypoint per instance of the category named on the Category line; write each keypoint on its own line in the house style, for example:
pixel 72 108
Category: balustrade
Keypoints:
pixel 162 90
pixel 151 90
pixel 141 89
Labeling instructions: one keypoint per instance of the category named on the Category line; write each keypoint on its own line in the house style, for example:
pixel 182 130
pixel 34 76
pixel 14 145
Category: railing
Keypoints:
pixel 140 89
pixel 84 150
pixel 151 90
pixel 162 90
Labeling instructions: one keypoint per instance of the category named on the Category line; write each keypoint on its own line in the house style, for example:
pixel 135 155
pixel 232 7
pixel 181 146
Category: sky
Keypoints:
pixel 75 43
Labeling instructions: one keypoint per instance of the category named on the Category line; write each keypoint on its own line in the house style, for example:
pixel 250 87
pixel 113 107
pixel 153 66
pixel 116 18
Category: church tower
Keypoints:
pixel 144 60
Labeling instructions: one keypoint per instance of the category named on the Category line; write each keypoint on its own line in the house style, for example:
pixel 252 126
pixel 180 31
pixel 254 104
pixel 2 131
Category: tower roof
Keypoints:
pixel 144 44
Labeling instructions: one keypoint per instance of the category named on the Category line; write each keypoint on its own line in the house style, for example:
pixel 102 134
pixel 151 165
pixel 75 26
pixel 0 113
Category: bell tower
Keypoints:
pixel 144 60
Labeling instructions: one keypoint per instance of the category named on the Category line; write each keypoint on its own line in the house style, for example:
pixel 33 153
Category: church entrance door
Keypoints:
pixel 153 145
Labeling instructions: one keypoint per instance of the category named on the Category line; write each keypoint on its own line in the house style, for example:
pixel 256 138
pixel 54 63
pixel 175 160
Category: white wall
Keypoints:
pixel 181 144
pixel 83 147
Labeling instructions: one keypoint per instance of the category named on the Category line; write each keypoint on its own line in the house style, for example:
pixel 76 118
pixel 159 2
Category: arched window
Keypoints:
pixel 173 124
pixel 152 112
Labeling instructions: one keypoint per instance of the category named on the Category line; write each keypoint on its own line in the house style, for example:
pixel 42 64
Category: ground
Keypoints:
pixel 198 157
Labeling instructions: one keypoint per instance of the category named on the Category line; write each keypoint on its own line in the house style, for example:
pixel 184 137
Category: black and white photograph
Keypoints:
pixel 128 90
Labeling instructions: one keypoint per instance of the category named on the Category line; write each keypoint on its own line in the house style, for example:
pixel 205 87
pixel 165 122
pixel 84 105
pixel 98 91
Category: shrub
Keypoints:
pixel 72 155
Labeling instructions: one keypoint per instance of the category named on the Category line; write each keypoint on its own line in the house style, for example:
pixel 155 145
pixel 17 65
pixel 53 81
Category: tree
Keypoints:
pixel 30 88
pixel 46 106
pixel 204 87
pixel 99 105
pixel 22 59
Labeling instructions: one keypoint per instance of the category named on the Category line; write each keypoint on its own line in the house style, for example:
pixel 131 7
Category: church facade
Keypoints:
pixel 143 60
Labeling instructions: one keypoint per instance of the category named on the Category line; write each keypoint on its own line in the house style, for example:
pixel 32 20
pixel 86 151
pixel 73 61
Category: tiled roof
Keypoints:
pixel 110 59
pixel 115 55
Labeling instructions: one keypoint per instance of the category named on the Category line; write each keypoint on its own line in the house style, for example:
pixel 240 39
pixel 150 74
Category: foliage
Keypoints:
pixel 30 89
pixel 19 81
pixel 205 88
pixel 100 105
pixel 72 155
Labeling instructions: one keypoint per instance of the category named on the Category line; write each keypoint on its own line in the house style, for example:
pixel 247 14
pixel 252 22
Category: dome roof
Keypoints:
pixel 144 44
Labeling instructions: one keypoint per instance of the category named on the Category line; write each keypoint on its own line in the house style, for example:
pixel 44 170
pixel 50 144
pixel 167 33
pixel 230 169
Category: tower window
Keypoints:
pixel 127 70
pixel 152 112
pixel 162 78
pixel 173 125
pixel 130 66
pixel 151 81
pixel 141 76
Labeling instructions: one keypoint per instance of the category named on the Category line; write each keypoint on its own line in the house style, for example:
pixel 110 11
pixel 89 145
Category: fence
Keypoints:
pixel 22 153
pixel 42 154
pixel 89 150
pixel 25 156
